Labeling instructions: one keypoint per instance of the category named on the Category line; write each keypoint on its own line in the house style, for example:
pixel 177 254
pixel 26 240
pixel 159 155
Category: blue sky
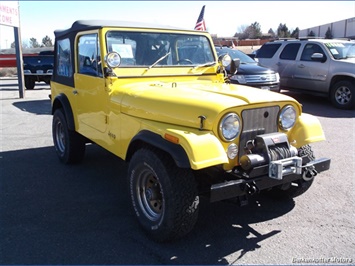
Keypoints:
pixel 224 18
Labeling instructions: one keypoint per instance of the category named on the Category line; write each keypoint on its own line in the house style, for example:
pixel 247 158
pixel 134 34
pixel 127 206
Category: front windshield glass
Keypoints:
pixel 144 49
pixel 341 50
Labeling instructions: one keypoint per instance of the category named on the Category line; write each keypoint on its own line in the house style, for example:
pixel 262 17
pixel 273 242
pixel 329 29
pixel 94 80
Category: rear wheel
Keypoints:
pixel 164 197
pixel 29 83
pixel 298 187
pixel 69 145
pixel 342 95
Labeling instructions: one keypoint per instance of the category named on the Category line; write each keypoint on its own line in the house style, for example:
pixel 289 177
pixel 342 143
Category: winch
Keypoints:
pixel 272 149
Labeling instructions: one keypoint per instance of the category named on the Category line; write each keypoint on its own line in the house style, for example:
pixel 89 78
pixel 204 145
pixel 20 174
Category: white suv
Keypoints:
pixel 321 66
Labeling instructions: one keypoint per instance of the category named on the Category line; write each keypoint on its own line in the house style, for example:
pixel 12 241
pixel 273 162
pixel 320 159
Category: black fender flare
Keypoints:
pixel 61 101
pixel 176 151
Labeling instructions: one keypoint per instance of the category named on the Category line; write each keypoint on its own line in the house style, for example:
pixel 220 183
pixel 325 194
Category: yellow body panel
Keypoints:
pixel 306 130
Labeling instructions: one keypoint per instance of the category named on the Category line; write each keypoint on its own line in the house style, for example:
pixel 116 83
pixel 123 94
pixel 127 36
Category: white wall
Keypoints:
pixel 340 29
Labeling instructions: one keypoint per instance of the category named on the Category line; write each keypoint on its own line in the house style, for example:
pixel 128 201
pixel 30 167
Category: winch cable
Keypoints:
pixel 279 152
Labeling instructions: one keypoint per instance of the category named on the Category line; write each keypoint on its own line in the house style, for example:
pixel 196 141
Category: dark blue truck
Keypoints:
pixel 37 68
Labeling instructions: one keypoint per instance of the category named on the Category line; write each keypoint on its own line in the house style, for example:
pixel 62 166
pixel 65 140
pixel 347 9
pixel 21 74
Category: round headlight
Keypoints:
pixel 113 59
pixel 230 126
pixel 287 117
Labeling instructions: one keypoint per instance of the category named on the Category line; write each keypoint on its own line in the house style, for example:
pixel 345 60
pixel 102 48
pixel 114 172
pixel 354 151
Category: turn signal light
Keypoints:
pixel 171 138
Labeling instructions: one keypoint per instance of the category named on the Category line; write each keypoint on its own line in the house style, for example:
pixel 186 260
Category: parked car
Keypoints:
pixel 37 68
pixel 155 96
pixel 249 72
pixel 320 66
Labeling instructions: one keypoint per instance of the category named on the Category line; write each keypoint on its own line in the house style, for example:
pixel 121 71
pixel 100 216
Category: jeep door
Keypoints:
pixel 311 70
pixel 91 95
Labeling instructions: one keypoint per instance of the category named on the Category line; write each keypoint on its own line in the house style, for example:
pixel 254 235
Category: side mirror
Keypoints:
pixel 318 57
pixel 225 60
pixel 113 59
pixel 234 66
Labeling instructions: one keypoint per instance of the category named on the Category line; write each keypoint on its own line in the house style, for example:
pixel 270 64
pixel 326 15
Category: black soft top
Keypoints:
pixel 82 25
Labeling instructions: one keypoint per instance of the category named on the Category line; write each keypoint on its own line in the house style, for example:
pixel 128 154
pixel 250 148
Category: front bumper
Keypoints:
pixel 244 186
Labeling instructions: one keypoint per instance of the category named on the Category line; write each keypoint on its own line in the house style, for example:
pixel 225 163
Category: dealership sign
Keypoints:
pixel 9 13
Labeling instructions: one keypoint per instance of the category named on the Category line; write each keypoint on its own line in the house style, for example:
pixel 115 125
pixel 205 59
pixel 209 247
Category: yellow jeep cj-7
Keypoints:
pixel 156 96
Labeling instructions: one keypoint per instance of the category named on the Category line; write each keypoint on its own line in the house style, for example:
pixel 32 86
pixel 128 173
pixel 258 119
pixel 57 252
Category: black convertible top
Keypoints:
pixel 81 25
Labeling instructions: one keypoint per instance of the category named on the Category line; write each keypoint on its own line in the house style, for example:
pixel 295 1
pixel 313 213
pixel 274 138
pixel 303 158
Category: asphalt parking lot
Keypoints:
pixel 51 213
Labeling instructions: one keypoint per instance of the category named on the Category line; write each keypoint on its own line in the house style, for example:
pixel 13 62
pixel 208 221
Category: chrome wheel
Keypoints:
pixel 343 95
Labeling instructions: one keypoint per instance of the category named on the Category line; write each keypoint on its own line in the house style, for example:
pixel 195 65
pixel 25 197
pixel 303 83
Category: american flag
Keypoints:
pixel 200 24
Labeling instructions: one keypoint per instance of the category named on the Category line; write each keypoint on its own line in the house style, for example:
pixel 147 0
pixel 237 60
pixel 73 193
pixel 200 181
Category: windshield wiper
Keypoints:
pixel 160 59
pixel 204 65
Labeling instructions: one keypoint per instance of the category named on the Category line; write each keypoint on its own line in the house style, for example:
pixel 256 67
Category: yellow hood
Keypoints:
pixel 182 103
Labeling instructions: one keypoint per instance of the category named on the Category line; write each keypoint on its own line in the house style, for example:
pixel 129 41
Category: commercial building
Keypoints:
pixel 339 29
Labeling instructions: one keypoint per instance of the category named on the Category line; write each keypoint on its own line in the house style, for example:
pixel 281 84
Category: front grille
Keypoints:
pixel 261 78
pixel 256 122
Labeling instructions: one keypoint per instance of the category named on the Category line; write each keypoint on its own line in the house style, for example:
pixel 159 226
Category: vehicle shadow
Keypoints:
pixel 81 214
pixel 38 107
pixel 319 106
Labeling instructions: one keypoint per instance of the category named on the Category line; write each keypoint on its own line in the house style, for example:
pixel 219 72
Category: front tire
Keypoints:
pixel 164 197
pixel 298 187
pixel 69 145
pixel 342 95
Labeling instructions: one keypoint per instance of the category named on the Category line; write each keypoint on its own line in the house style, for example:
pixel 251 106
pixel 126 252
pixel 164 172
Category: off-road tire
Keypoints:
pixel 296 188
pixel 164 196
pixel 69 145
pixel 342 95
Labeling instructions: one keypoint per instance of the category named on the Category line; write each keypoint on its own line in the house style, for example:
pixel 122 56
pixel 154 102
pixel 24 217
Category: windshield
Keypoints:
pixel 144 49
pixel 341 50
pixel 244 59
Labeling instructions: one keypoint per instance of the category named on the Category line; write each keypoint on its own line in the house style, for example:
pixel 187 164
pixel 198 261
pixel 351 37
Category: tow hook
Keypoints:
pixel 251 188
pixel 309 173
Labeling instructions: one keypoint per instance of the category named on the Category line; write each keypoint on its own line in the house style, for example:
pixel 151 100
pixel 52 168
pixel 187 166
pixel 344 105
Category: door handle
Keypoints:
pixel 301 66
pixel 75 92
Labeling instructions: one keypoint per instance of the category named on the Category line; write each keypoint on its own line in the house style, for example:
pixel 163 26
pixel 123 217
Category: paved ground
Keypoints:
pixel 56 214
